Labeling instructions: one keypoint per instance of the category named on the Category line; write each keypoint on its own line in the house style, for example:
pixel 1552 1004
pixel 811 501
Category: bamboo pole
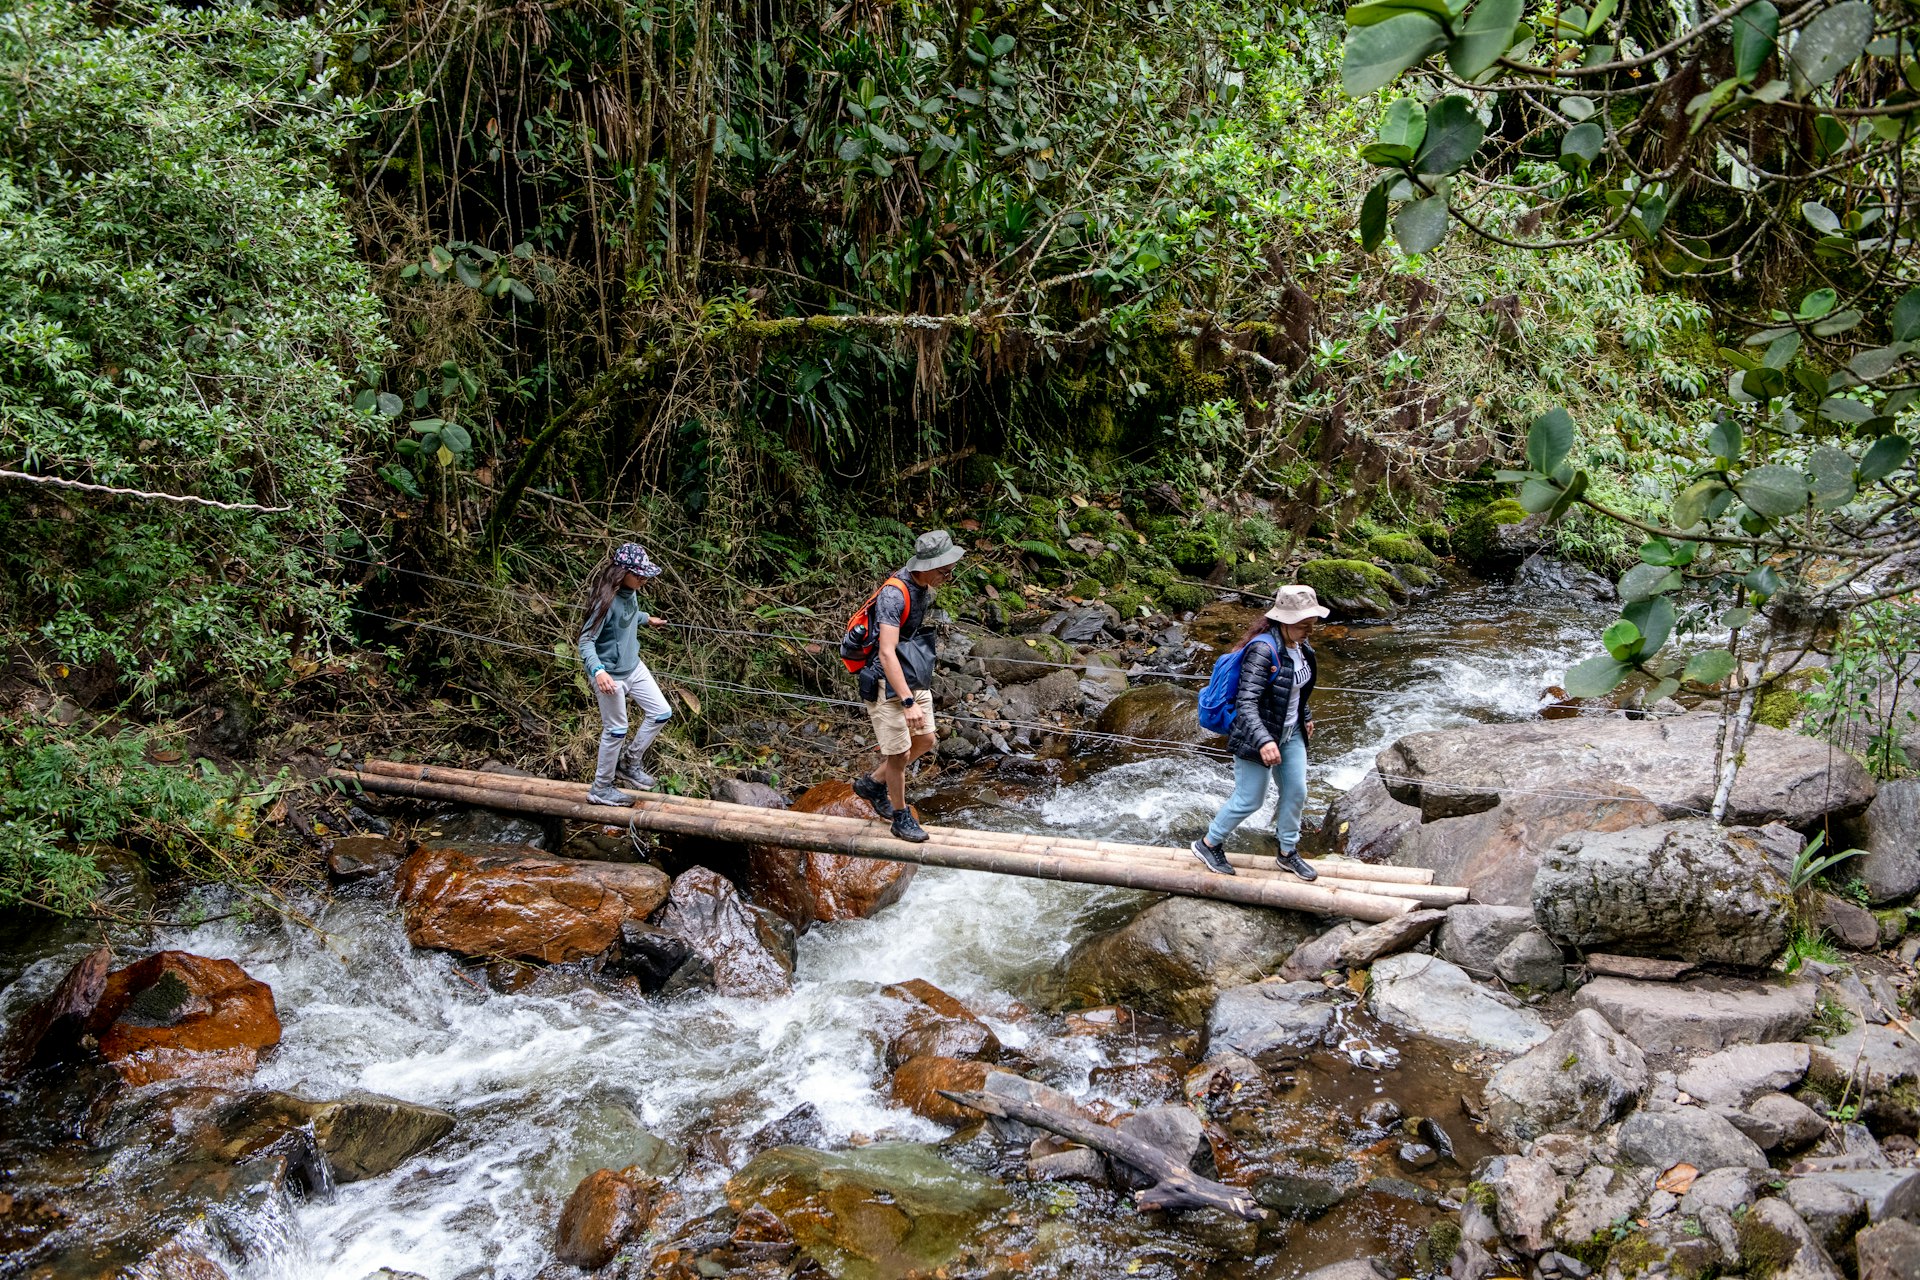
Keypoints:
pixel 752 826
pixel 1341 869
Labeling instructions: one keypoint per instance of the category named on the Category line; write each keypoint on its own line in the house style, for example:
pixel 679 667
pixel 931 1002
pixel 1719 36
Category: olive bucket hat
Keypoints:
pixel 933 550
pixel 1296 603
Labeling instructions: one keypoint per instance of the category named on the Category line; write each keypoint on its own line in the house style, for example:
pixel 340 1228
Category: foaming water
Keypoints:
pixel 560 1079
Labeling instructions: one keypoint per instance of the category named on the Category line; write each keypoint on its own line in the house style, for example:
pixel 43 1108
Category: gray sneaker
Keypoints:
pixel 1214 856
pixel 636 779
pixel 599 794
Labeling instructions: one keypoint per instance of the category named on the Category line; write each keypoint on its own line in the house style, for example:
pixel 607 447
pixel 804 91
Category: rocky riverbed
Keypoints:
pixel 485 1057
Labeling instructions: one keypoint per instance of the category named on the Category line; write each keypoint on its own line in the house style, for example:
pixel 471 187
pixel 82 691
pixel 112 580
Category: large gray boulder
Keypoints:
pixel 1586 1076
pixel 1176 956
pixel 1734 1077
pixel 1703 1015
pixel 1526 1191
pixel 1786 778
pixel 1880 1065
pixel 1686 1135
pixel 1475 933
pixel 1890 833
pixel 1789 1250
pixel 1888 1251
pixel 1690 890
pixel 1264 1016
pixel 1429 997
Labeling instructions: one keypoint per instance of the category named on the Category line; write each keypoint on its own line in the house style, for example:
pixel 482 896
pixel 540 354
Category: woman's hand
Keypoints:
pixel 1270 754
pixel 604 682
pixel 657 621
pixel 1307 730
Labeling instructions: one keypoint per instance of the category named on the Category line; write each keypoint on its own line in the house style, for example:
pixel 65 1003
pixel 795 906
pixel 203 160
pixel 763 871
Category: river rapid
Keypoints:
pixel 559 1079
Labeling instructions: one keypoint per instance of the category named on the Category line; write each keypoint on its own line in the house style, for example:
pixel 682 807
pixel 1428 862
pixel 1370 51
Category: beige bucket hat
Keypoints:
pixel 1296 603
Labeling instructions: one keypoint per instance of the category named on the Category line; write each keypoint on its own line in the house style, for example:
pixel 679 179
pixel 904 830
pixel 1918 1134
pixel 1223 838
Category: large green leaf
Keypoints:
pixel 1905 320
pixel 1596 677
pixel 1690 508
pixel 1622 640
pixel 1754 30
pixel 1568 496
pixel 1373 216
pixel 1832 471
pixel 1454 133
pixel 1883 458
pixel 1710 666
pixel 1537 495
pixel 1376 53
pixel 1581 145
pixel 1725 440
pixel 1487 34
pixel 1773 490
pixel 1829 43
pixel 1404 124
pixel 1421 225
pixel 1654 618
pixel 1644 581
pixel 1549 440
pixel 1374 12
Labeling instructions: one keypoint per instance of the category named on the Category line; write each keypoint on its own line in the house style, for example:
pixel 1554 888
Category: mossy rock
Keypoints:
pixel 1779 708
pixel 1401 548
pixel 1193 551
pixel 957 599
pixel 1248 572
pixel 1496 537
pixel 1097 521
pixel 1413 576
pixel 1127 599
pixel 1181 597
pixel 1352 588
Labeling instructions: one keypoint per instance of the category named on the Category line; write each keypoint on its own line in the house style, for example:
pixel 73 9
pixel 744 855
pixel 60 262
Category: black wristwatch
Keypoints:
pixel 907 701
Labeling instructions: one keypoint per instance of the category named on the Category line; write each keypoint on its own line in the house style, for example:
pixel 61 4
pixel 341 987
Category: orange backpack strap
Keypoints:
pixel 906 597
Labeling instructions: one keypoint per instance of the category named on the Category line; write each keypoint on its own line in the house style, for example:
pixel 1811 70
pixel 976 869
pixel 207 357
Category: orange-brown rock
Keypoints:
pixel 917 1085
pixel 747 946
pixel 606 1210
pixel 49 1030
pixel 939 1025
pixel 524 905
pixel 806 887
pixel 175 1014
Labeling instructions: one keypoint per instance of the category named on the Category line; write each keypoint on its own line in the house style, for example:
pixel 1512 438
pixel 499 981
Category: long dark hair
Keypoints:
pixel 1259 627
pixel 601 585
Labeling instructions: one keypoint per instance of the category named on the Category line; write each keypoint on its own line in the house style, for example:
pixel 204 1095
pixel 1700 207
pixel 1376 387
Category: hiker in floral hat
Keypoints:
pixel 610 650
pixel 1272 723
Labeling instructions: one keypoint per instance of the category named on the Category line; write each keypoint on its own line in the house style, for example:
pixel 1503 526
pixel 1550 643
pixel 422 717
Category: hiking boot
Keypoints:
pixel 1214 856
pixel 907 827
pixel 1298 865
pixel 601 793
pixel 874 792
pixel 636 780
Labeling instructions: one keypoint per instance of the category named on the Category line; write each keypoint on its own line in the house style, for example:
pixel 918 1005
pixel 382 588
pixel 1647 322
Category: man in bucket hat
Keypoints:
pixel 1272 723
pixel 896 677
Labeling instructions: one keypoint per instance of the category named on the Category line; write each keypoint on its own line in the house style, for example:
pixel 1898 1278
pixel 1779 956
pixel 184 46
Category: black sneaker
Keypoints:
pixel 907 827
pixel 874 792
pixel 1215 858
pixel 1298 865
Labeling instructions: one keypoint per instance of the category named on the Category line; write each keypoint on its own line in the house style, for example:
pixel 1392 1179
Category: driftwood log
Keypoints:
pixel 1175 1186
pixel 952 847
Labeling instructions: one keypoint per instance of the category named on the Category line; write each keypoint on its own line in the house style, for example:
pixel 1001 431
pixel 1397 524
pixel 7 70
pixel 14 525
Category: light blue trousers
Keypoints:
pixel 1250 792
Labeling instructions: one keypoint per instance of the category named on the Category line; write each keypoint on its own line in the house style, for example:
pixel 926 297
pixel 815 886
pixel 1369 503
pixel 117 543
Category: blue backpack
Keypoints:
pixel 1216 700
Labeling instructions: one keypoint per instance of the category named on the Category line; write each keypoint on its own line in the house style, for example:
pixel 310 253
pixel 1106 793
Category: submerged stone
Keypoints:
pixel 877 1213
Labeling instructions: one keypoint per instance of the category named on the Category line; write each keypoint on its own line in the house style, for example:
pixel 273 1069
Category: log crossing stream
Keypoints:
pixel 1354 889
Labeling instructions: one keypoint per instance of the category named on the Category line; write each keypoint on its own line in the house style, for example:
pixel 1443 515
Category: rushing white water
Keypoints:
pixel 555 1081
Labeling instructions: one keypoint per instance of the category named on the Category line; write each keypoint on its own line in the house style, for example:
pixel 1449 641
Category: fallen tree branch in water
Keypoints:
pixel 1175 1186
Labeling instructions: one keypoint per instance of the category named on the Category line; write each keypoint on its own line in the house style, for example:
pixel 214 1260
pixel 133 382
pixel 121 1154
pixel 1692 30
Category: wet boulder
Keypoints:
pixel 177 1015
pixel 917 1084
pixel 511 903
pixel 1177 955
pixel 1262 1017
pixel 661 962
pixel 1689 890
pixel 933 1022
pixel 1151 713
pixel 362 1135
pixel 1427 996
pixel 1586 1076
pixel 1055 691
pixel 806 887
pixel 1352 588
pixel 352 859
pixel 1084 624
pixel 888 1210
pixel 48 1031
pixel 1012 660
pixel 750 953
pixel 608 1208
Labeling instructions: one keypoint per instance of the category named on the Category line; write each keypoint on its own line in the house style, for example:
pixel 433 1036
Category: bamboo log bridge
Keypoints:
pixel 1356 889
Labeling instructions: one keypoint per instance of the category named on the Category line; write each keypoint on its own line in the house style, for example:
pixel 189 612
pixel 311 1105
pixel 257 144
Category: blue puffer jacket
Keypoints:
pixel 1260 707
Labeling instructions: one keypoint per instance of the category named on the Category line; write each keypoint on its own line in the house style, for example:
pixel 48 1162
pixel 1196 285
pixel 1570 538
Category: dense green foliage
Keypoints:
pixel 179 302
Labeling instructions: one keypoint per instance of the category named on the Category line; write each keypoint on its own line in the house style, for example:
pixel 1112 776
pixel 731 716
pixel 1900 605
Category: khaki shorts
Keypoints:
pixel 890 723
